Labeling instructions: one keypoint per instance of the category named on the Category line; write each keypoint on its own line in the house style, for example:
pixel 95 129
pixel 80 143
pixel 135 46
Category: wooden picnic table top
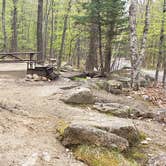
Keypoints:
pixel 17 61
pixel 18 53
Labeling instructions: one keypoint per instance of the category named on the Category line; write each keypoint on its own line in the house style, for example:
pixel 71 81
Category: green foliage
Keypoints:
pixel 110 13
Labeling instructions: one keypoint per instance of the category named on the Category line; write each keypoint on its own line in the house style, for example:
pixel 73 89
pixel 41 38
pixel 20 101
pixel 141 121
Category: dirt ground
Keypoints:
pixel 28 132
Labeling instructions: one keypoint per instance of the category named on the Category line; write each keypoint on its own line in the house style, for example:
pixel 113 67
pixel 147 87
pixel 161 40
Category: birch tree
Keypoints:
pixel 137 56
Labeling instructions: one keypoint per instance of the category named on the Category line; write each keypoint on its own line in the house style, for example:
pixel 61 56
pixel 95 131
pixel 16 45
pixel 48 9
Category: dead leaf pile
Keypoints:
pixel 156 95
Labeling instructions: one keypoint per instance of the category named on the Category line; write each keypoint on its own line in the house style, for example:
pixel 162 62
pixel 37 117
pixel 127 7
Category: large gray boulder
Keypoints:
pixel 158 160
pixel 79 96
pixel 124 128
pixel 101 130
pixel 77 134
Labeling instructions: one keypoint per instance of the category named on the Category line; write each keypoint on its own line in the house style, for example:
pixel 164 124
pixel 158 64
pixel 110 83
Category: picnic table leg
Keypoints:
pixel 31 61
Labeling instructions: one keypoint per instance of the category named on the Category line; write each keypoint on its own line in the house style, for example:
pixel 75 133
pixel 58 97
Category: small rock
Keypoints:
pixel 148 139
pixel 129 97
pixel 145 142
pixel 44 79
pixel 145 97
pixel 46 156
pixel 36 77
pixel 67 150
pixel 29 76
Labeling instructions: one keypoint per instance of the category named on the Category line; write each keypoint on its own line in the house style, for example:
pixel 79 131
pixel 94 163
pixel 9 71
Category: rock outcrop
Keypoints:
pixel 112 86
pixel 115 109
pixel 102 131
pixel 78 134
pixel 79 96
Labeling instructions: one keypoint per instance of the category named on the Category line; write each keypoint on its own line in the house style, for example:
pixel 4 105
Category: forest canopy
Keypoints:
pixel 86 33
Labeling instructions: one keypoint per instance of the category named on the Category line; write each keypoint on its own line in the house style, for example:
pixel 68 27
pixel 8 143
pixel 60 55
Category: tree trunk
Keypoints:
pixel 161 46
pixel 100 46
pixel 52 29
pixel 108 49
pixel 164 74
pixel 47 13
pixel 91 59
pixel 14 27
pixel 78 52
pixel 4 25
pixel 59 60
pixel 136 61
pixel 40 57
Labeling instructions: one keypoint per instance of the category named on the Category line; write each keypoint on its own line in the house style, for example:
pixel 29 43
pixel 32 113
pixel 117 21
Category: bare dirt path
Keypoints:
pixel 30 112
pixel 27 129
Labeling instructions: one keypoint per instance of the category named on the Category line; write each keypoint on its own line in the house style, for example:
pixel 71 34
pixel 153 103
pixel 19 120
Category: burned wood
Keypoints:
pixel 73 75
pixel 47 72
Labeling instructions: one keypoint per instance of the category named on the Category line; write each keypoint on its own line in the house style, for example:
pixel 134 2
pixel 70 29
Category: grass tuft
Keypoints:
pixel 61 126
pixel 97 156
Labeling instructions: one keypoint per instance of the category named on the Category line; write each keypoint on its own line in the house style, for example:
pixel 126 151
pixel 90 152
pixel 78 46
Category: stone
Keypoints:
pixel 115 125
pixel 148 139
pixel 161 116
pixel 115 109
pixel 79 96
pixel 159 160
pixel 29 76
pixel 112 86
pixel 44 79
pixel 145 142
pixel 77 134
pixel 36 77
pixel 146 97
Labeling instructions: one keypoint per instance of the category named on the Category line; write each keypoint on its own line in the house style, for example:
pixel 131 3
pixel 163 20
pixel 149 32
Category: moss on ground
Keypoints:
pixel 61 126
pixel 79 79
pixel 137 154
pixel 97 156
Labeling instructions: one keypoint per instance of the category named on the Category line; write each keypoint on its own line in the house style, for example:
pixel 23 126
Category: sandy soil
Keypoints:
pixel 28 134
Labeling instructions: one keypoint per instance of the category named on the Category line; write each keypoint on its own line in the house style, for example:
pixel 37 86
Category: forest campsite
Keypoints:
pixel 82 82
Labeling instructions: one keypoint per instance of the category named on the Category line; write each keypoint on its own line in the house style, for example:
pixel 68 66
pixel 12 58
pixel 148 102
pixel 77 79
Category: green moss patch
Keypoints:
pixel 97 156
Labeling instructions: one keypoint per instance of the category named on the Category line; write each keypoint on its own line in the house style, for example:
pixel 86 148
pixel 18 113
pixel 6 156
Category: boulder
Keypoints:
pixel 112 86
pixel 124 76
pixel 124 128
pixel 115 109
pixel 79 96
pixel 159 160
pixel 77 134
